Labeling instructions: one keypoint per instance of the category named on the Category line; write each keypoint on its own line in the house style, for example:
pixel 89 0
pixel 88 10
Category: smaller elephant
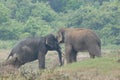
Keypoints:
pixel 79 39
pixel 31 49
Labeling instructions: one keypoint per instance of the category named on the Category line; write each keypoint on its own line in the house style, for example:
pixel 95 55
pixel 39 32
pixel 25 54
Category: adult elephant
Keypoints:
pixel 79 39
pixel 31 49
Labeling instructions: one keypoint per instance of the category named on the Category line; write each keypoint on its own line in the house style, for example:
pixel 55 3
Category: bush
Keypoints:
pixel 8 44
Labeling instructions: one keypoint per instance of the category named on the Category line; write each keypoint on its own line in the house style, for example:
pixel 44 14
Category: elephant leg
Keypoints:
pixel 60 57
pixel 14 62
pixel 94 51
pixel 41 59
pixel 92 55
pixel 74 56
pixel 18 63
pixel 98 51
pixel 68 53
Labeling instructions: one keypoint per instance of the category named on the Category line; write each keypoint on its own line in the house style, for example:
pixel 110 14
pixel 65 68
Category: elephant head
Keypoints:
pixel 52 43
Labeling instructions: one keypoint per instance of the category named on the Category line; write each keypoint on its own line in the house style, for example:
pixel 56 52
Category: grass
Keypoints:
pixel 93 69
pixel 105 68
pixel 111 46
pixel 101 64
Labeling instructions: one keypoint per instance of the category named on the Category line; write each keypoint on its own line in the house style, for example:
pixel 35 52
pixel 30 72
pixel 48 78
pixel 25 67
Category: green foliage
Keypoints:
pixel 29 18
pixel 4 14
pixel 10 30
pixel 7 44
pixel 36 27
pixel 44 11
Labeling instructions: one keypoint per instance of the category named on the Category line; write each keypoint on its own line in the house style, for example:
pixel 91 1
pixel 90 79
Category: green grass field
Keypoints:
pixel 105 68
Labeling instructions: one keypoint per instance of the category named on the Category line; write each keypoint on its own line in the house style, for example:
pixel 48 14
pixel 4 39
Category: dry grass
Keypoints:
pixel 105 68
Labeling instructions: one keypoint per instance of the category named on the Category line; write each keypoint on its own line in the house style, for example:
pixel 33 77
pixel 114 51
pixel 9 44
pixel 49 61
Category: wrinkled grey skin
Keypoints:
pixel 31 49
pixel 79 39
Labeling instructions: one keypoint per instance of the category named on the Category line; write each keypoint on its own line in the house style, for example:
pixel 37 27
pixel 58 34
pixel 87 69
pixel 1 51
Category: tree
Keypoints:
pixel 44 11
pixel 35 27
pixel 4 14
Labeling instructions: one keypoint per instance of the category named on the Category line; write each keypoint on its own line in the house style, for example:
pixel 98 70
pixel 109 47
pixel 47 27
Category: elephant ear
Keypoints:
pixel 60 37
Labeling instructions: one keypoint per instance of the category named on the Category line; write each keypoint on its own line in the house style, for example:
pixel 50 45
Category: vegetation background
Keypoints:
pixel 30 18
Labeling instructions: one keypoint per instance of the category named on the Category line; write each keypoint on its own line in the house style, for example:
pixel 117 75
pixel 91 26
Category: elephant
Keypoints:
pixel 79 39
pixel 31 49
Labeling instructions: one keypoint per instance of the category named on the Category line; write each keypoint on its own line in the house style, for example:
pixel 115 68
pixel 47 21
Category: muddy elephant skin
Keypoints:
pixel 31 49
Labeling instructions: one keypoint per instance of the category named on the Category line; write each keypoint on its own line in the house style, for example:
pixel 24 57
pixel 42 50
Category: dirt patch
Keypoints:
pixel 3 54
pixel 8 69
